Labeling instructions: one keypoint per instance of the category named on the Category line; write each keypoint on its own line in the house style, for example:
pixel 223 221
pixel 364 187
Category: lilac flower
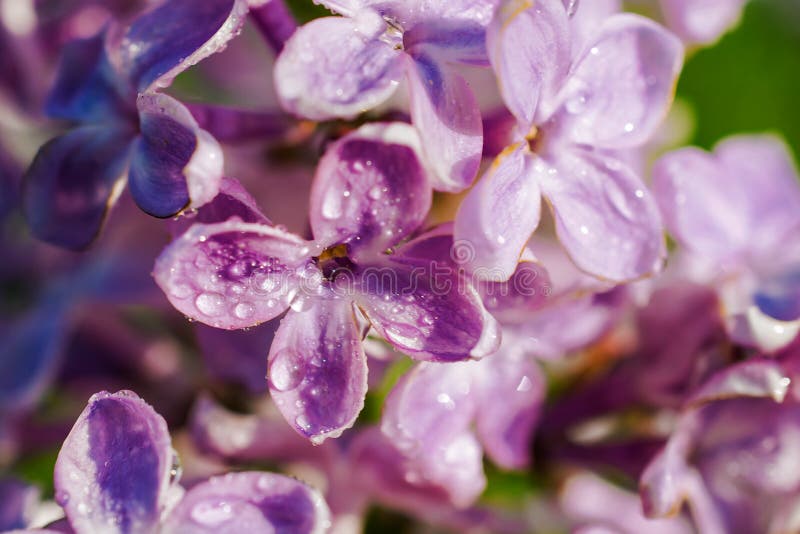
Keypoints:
pixel 170 162
pixel 732 457
pixel 342 66
pixel 369 194
pixel 116 473
pixel 571 114
pixel 736 213
pixel 701 21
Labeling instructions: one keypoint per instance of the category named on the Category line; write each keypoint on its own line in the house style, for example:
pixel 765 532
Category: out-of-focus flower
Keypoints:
pixel 370 193
pixel 572 111
pixel 171 164
pixel 736 213
pixel 342 66
pixel 701 21
pixel 732 456
pixel 117 472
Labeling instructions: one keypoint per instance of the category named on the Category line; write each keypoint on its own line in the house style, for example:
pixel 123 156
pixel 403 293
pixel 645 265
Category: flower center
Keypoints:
pixel 334 261
pixel 534 139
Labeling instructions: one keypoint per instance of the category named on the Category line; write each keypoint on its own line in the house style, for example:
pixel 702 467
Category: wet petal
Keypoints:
pixel 621 88
pixel 525 292
pixel 446 114
pixel 174 164
pixel 454 40
pixel 498 216
pixel 370 189
pixel 318 370
pixel 427 417
pixel 113 471
pixel 337 67
pixel 512 391
pixel 176 35
pixel 87 88
pixel 249 502
pixel 529 47
pixel 605 217
pixel 426 310
pixel 72 182
pixel 231 274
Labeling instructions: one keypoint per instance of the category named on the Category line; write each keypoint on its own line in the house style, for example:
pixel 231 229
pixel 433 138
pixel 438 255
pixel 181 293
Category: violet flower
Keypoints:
pixel 116 473
pixel 571 113
pixel 370 193
pixel 701 21
pixel 342 66
pixel 736 213
pixel 171 164
pixel 732 456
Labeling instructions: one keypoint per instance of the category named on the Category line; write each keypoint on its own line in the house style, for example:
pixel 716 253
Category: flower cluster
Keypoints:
pixel 320 249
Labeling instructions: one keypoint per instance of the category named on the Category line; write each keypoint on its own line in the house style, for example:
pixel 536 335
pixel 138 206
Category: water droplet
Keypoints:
pixel 285 371
pixel 211 304
pixel 446 400
pixel 376 192
pixel 577 103
pixel 628 127
pixel 584 230
pixel 83 508
pixel 180 291
pixel 264 483
pixel 212 513
pixel 346 193
pixel 525 384
pixel 302 422
pixel 639 193
pixel 244 310
pixel 62 498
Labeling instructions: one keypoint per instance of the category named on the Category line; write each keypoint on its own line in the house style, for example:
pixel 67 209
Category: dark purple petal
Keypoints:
pixel 87 88
pixel 337 67
pixel 275 22
pixel 175 35
pixel 233 200
pixel 231 274
pixel 318 370
pixel 370 190
pixel 233 125
pixel 73 181
pixel 459 41
pixel 174 164
pixel 249 502
pixel 18 503
pixel 426 310
pixel 446 114
pixel 113 471
pixel 525 292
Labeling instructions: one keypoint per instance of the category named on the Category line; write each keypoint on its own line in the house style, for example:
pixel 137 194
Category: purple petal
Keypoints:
pixel 275 21
pixel 701 21
pixel 621 88
pixel 512 389
pixel 72 182
pixel 249 502
pixel 231 125
pixel 18 502
pixel 233 200
pixel 370 189
pixel 498 216
pixel 176 35
pixel 113 471
pixel 525 292
pixel 529 47
pixel 751 378
pixel 87 88
pixel 427 417
pixel 455 40
pixel 231 274
pixel 318 370
pixel 605 217
pixel 174 164
pixel 779 297
pixel 337 67
pixel 426 310
pixel 446 114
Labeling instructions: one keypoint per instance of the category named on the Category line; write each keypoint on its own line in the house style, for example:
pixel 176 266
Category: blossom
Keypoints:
pixel 732 455
pixel 701 21
pixel 342 66
pixel 116 472
pixel 370 193
pixel 573 111
pixel 736 212
pixel 108 86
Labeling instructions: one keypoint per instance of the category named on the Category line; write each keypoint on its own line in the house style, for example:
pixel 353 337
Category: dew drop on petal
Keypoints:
pixel 211 304
pixel 285 372
pixel 212 514
pixel 244 310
